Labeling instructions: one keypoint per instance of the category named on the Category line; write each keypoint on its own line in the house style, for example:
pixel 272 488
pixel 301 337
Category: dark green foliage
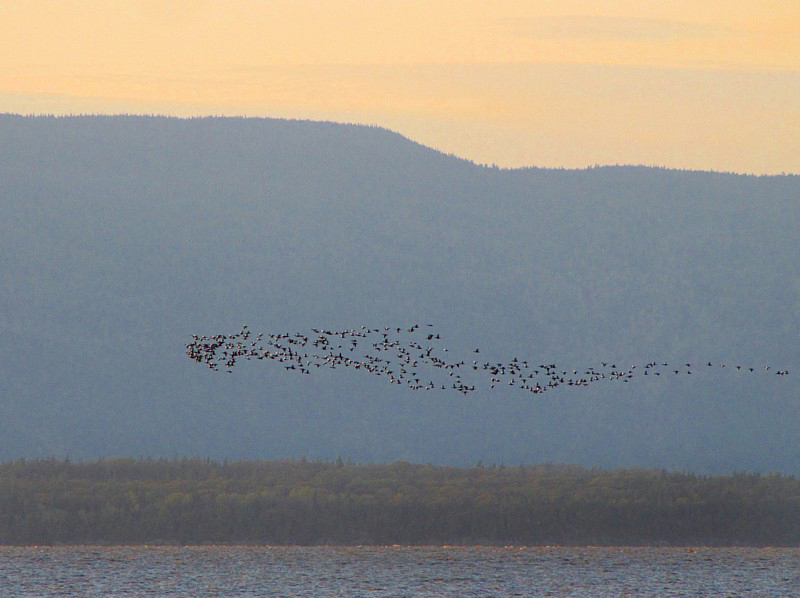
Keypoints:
pixel 290 502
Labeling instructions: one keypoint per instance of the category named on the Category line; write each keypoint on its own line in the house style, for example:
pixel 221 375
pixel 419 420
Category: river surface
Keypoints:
pixel 397 571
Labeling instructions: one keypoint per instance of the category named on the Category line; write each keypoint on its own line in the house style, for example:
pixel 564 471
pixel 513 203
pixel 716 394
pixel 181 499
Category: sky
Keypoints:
pixel 702 84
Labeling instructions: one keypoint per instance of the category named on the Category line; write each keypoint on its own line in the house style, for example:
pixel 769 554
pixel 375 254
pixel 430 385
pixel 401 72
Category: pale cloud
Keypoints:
pixel 605 27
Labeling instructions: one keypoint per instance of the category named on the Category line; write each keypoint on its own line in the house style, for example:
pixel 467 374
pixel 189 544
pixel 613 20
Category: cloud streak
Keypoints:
pixel 617 28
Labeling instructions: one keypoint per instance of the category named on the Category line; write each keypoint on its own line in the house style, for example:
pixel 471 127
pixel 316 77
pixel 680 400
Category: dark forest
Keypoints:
pixel 194 501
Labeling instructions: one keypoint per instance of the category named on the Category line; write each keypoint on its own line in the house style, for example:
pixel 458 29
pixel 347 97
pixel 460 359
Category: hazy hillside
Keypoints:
pixel 122 236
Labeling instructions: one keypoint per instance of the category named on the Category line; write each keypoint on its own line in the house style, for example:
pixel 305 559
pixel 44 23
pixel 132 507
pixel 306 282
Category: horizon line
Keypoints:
pixel 487 165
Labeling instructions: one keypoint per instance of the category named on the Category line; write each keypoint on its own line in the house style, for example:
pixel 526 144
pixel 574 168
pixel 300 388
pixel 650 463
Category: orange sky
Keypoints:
pixel 702 85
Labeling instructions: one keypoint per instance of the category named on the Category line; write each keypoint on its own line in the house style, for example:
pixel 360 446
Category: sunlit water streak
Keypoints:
pixel 396 571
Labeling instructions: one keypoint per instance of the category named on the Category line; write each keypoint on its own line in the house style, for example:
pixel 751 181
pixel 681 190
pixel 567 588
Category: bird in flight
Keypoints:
pixel 402 354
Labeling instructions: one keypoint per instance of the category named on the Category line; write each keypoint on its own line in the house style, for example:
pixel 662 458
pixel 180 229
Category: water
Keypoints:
pixel 397 571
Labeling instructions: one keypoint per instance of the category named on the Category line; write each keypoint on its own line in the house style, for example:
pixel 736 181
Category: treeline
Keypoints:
pixel 130 501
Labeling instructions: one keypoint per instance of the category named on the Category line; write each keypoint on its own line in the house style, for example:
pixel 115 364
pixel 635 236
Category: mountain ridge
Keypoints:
pixel 394 133
pixel 129 234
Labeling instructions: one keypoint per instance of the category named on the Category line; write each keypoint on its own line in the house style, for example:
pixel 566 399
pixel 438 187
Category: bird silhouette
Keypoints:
pixel 398 354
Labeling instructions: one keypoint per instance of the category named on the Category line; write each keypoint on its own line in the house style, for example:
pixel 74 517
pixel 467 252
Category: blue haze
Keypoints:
pixel 123 236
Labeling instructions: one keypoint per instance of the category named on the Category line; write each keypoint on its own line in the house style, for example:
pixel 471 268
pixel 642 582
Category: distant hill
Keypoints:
pixel 122 236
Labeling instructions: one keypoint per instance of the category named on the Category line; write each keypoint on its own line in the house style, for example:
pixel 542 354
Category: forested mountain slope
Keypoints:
pixel 123 236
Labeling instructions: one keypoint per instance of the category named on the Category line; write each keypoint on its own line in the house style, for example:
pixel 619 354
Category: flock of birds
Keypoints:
pixel 412 356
